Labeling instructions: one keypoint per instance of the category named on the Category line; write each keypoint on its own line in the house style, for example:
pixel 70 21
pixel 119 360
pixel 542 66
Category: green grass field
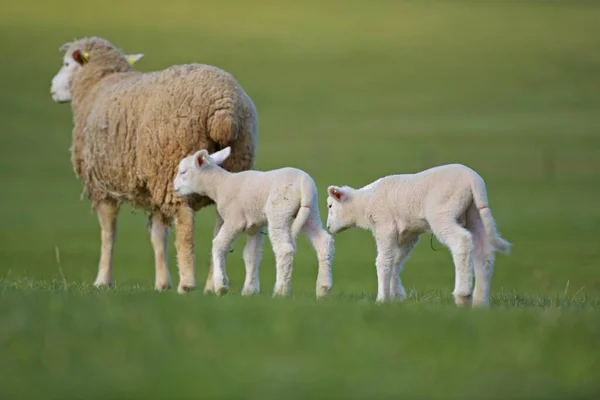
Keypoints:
pixel 348 91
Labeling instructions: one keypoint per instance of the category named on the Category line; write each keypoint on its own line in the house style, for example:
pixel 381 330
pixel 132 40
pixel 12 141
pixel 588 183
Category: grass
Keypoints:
pixel 348 93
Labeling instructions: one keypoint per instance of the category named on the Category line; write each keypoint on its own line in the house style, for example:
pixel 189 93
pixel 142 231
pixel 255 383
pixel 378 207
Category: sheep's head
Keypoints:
pixel 340 213
pixel 192 170
pixel 76 56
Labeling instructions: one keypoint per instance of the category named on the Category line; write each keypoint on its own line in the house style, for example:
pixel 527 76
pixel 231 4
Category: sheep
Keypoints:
pixel 285 200
pixel 130 131
pixel 448 200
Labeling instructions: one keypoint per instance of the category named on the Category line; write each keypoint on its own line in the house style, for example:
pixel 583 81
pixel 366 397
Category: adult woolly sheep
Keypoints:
pixel 449 200
pixel 131 129
pixel 283 199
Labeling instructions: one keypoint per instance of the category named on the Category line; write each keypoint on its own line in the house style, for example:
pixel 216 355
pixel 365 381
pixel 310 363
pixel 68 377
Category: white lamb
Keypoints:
pixel 284 199
pixel 449 200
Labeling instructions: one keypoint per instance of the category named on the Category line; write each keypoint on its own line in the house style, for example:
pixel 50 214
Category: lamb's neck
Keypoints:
pixel 360 199
pixel 215 182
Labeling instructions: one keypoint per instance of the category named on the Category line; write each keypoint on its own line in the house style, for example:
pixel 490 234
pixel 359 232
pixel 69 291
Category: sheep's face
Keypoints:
pixel 61 83
pixel 72 63
pixel 340 214
pixel 193 169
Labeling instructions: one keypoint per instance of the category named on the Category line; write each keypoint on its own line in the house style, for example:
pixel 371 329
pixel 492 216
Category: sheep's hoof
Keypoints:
pixel 323 291
pixel 209 289
pixel 161 287
pixel 102 284
pixel 252 291
pixel 183 289
pixel 222 291
pixel 462 300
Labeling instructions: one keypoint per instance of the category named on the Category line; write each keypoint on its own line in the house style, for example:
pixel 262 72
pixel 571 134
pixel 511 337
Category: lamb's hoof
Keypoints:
pixel 463 300
pixel 161 287
pixel 103 284
pixel 183 289
pixel 251 291
pixel 209 288
pixel 323 291
pixel 222 291
pixel 481 303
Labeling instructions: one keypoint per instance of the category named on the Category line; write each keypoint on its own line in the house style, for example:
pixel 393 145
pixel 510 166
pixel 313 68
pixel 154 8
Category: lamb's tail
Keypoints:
pixel 481 201
pixel 223 126
pixel 308 197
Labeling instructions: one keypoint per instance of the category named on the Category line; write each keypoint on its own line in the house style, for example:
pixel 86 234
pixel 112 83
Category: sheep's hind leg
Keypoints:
pixel 323 244
pixel 159 234
pixel 483 259
pixel 107 211
pixel 252 257
pixel 460 243
pixel 184 244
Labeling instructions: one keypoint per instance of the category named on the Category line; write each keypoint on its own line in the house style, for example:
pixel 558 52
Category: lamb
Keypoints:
pixel 449 200
pixel 283 199
pixel 130 131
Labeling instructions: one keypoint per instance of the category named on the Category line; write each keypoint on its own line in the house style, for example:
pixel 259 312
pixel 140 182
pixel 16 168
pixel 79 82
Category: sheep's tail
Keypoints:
pixel 223 126
pixel 481 201
pixel 307 202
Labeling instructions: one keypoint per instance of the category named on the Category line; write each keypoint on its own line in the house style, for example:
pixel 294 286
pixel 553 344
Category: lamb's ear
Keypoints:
pixel 219 156
pixel 200 158
pixel 337 193
pixel 80 58
pixel 133 58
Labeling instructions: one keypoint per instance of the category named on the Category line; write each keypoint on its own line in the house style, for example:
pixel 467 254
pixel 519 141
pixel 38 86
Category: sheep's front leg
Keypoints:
pixel 396 289
pixel 209 286
pixel 159 234
pixel 252 256
pixel 107 211
pixel 184 244
pixel 220 247
pixel 386 255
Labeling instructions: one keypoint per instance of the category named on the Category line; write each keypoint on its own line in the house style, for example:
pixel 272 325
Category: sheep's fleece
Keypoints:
pixel 131 129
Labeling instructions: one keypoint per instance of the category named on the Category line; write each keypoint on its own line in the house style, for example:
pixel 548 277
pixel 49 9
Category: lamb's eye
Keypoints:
pixel 66 64
pixel 329 206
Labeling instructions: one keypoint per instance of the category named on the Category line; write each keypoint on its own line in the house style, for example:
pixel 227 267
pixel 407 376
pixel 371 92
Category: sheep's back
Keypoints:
pixel 140 128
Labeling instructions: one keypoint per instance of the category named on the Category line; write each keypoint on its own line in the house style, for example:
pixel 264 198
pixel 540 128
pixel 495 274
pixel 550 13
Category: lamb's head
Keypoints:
pixel 194 170
pixel 81 53
pixel 341 213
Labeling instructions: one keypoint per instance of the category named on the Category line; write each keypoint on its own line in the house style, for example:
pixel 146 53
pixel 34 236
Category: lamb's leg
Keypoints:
pixel 220 247
pixel 159 234
pixel 209 286
pixel 184 244
pixel 396 289
pixel 252 257
pixel 323 244
pixel 387 248
pixel 460 243
pixel 284 249
pixel 483 259
pixel 107 211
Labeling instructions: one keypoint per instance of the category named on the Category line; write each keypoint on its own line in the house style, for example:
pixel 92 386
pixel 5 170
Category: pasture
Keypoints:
pixel 348 92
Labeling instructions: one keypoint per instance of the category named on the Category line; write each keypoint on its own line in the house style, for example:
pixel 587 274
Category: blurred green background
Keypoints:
pixel 348 91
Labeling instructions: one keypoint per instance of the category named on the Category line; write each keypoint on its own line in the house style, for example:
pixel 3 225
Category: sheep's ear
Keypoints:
pixel 133 58
pixel 337 193
pixel 201 158
pixel 219 156
pixel 80 58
